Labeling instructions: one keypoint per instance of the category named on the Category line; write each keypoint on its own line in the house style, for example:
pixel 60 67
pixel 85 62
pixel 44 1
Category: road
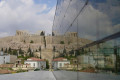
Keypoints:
pixel 58 75
pixel 69 75
pixel 33 75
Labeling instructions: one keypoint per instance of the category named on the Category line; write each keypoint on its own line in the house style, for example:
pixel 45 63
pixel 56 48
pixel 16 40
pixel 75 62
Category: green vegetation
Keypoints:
pixel 40 51
pixel 47 64
pixel 23 58
pixel 36 50
pixel 61 42
pixel 53 34
pixel 36 69
pixel 10 51
pixel 2 49
pixel 21 52
pixel 39 48
pixel 44 41
pixel 6 50
pixel 42 34
pixel 30 52
pixel 31 41
pixel 70 57
pixel 24 41
pixel 14 52
pixel 20 70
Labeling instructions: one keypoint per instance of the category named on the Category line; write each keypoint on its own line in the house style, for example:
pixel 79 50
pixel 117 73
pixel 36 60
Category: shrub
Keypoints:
pixel 47 64
pixel 61 42
pixel 31 41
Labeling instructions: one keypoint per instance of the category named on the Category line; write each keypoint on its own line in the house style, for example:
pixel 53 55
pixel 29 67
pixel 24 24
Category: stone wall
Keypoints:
pixel 22 40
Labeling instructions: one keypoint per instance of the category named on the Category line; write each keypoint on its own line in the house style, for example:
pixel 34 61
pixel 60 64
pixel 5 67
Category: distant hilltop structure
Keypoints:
pixel 26 33
pixel 25 40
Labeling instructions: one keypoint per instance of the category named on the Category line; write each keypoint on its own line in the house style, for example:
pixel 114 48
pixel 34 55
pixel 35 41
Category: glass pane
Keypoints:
pixel 86 37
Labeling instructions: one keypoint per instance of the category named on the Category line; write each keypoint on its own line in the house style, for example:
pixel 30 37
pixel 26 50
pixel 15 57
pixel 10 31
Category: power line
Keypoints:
pixel 65 12
pixel 77 15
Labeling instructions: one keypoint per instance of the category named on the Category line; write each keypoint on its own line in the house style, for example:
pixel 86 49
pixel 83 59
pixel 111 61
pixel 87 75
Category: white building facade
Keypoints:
pixel 92 60
pixel 59 63
pixel 36 63
pixel 4 59
pixel 7 58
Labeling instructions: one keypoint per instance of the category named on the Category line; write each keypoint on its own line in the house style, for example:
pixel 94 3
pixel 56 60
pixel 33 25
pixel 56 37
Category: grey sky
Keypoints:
pixel 25 15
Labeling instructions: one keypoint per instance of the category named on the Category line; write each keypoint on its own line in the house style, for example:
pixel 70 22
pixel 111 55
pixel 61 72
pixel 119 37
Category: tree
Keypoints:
pixel 77 52
pixel 30 52
pixel 31 41
pixel 61 42
pixel 9 51
pixel 36 50
pixel 6 50
pixel 39 48
pixel 44 42
pixel 14 52
pixel 2 49
pixel 53 34
pixel 71 52
pixel 54 52
pixel 82 51
pixel 47 64
pixel 24 41
pixel 21 52
pixel 29 49
pixel 64 51
pixel 42 34
pixel 40 51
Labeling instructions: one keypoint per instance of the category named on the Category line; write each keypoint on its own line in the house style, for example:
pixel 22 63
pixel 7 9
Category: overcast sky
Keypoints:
pixel 30 15
pixel 100 18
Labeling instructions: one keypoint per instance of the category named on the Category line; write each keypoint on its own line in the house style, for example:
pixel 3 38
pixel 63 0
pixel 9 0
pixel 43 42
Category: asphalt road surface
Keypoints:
pixel 58 75
pixel 33 75
pixel 69 75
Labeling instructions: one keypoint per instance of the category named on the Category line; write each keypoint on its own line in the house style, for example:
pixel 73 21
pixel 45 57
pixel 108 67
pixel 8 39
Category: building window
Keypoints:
pixel 60 64
pixel 34 64
pixel 4 61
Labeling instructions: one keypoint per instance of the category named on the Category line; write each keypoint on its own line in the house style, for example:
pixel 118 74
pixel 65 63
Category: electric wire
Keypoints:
pixel 77 16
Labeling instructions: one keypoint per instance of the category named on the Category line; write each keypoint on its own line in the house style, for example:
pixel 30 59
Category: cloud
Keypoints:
pixel 95 22
pixel 23 15
pixel 4 34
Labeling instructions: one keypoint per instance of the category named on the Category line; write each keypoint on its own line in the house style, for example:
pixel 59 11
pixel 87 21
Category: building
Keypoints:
pixel 22 67
pixel 36 63
pixel 19 66
pixel 59 63
pixel 87 31
pixel 91 60
pixel 6 66
pixel 6 58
